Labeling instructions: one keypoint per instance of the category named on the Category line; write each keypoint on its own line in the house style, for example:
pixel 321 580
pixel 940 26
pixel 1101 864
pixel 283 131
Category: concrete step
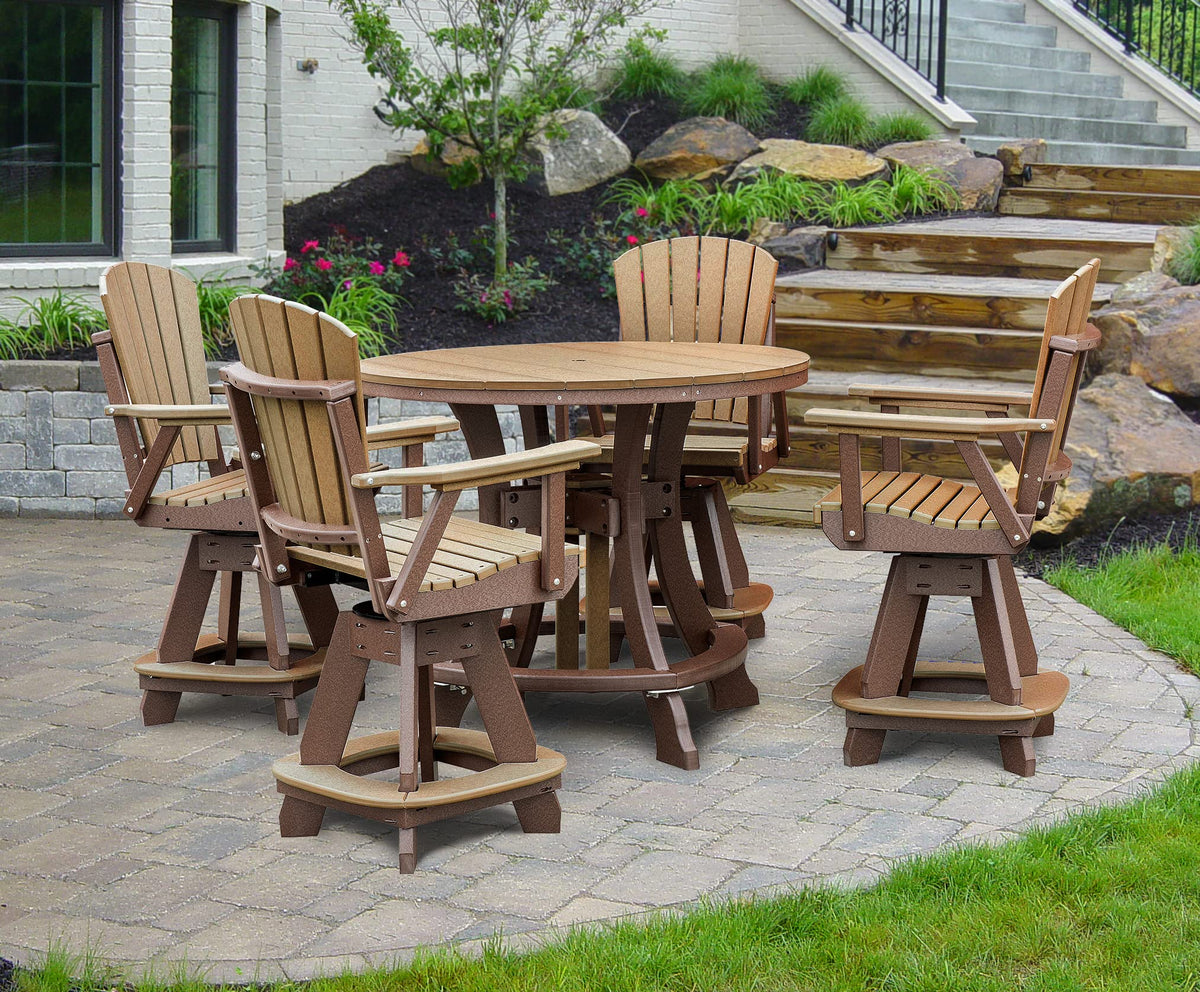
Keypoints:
pixel 1052 103
pixel 1002 32
pixel 1008 57
pixel 1012 11
pixel 1088 153
pixel 1002 77
pixel 1079 129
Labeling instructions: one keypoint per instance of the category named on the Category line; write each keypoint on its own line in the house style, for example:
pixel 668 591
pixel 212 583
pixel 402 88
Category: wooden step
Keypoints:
pixel 813 449
pixel 782 497
pixel 837 345
pixel 1100 205
pixel 1173 180
pixel 1022 247
pixel 911 298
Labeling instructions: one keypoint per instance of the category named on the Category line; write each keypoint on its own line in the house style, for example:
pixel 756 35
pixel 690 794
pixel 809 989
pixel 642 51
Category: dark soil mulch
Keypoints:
pixel 1090 549
pixel 7 980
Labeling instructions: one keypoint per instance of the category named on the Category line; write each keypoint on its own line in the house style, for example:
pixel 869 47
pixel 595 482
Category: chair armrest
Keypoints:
pixel 191 415
pixel 415 430
pixel 559 457
pixel 904 425
pixel 216 389
pixel 994 399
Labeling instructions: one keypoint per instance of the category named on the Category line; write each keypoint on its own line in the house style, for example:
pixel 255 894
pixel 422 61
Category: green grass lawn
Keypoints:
pixel 1106 899
pixel 1153 592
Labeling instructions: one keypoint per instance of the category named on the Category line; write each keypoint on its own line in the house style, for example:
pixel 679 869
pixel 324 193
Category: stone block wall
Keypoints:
pixel 59 454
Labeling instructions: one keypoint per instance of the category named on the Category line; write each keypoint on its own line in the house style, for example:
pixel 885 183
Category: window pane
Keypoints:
pixel 197 155
pixel 51 114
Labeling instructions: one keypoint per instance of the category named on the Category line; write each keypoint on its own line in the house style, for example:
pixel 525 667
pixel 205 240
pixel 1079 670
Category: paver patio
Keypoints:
pixel 160 844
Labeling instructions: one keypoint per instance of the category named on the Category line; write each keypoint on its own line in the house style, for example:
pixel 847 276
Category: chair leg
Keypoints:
pixel 500 707
pixel 754 626
pixel 407 846
pixel 185 614
pixel 996 637
pixel 319 610
pixel 1045 726
pixel 862 746
pixel 732 691
pixel 1017 755
pixel 159 707
pixel 335 700
pixel 287 716
pixel 450 703
pixel 896 636
pixel 540 814
pixel 273 625
pixel 1018 621
pixel 298 818
pixel 227 624
pixel 672 732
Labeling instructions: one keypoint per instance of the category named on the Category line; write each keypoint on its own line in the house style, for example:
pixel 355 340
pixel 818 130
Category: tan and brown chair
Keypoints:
pixel 954 538
pixel 438 586
pixel 718 290
pixel 152 360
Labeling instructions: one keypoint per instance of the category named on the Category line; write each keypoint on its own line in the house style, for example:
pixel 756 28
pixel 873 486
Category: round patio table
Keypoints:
pixel 653 386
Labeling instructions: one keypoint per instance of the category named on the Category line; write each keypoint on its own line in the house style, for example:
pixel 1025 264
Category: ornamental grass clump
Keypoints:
pixel 1185 264
pixel 818 85
pixel 900 126
pixel 922 191
pixel 731 87
pixel 841 121
pixel 644 72
pixel 56 322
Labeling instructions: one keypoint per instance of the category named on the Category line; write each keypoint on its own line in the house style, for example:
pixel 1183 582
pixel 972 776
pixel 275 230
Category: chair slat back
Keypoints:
pixel 154 317
pixel 291 341
pixel 1066 316
pixel 697 289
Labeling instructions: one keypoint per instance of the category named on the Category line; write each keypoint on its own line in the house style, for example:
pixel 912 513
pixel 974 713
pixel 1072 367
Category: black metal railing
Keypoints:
pixel 1163 32
pixel 915 30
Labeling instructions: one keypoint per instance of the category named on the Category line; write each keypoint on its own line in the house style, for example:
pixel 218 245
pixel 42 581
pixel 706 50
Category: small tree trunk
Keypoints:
pixel 500 208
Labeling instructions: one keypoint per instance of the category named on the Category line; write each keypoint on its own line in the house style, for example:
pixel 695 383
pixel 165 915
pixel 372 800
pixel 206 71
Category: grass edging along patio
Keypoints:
pixel 1098 901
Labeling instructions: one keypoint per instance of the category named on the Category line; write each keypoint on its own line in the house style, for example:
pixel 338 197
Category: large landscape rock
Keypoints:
pixel 823 163
pixel 454 153
pixel 1152 330
pixel 1015 155
pixel 977 180
pixel 1133 452
pixel 586 156
pixel 695 148
pixel 802 247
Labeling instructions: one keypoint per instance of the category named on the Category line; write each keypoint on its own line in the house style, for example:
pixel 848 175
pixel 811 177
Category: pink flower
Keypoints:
pixel 347 284
pixel 289 264
pixel 400 259
pixel 309 246
pixel 323 264
pixel 642 212
pixel 376 268
pixel 508 299
pixel 483 297
pixel 632 239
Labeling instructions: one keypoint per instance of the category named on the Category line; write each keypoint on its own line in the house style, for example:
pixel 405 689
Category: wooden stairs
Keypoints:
pixel 953 303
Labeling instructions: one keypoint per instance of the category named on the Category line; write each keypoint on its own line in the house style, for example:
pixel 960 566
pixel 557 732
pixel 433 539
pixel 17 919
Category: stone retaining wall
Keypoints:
pixel 59 454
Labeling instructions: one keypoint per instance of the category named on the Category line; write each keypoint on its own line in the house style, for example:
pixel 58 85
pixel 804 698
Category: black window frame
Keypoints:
pixel 110 110
pixel 226 15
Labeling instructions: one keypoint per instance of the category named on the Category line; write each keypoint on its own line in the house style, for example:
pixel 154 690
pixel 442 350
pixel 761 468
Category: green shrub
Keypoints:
pixel 900 126
pixel 870 203
pixel 15 341
pixel 843 121
pixel 500 299
pixel 819 84
pixel 214 298
pixel 55 322
pixel 922 191
pixel 1185 265
pixel 366 309
pixel 671 204
pixel 731 87
pixel 647 72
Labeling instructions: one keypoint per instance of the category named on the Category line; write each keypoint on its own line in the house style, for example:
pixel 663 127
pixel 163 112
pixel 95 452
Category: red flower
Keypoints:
pixel 309 246
pixel 632 239
pixel 642 212
pixel 376 268
pixel 323 264
pixel 400 259
pixel 289 264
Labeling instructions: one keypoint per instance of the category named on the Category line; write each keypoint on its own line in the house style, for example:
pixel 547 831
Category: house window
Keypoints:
pixel 202 118
pixel 57 96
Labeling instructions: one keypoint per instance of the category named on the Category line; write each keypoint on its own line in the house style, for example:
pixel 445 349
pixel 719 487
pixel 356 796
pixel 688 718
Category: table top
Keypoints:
pixel 587 371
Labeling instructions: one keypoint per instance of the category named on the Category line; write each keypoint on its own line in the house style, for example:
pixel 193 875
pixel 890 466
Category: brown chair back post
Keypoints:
pixel 154 318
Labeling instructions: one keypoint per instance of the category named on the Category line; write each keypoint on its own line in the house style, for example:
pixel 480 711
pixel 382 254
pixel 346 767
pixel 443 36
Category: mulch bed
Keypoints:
pixel 1090 549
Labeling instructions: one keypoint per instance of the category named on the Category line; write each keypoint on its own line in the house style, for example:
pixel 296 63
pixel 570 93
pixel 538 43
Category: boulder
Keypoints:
pixel 823 163
pixel 1015 155
pixel 803 247
pixel 977 180
pixel 933 154
pixel 1153 332
pixel 1133 452
pixel 587 155
pixel 694 148
pixel 1168 242
pixel 454 153
pixel 764 230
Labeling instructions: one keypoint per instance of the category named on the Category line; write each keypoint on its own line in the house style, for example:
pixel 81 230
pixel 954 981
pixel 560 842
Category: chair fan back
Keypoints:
pixel 698 289
pixel 154 317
